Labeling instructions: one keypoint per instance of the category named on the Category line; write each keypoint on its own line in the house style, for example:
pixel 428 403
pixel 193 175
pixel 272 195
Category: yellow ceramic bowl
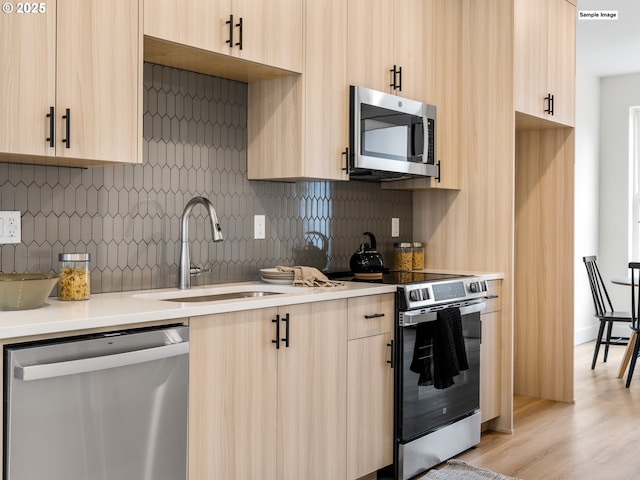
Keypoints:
pixel 22 291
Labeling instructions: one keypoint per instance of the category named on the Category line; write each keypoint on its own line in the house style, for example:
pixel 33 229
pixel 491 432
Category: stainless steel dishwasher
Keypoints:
pixel 110 406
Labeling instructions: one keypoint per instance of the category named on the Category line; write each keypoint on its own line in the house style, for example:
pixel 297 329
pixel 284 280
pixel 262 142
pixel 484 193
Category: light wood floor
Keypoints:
pixel 597 437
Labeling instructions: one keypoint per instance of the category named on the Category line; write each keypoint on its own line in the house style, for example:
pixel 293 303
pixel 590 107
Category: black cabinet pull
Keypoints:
pixel 277 340
pixel 396 78
pixel 345 153
pixel 52 127
pixel 394 73
pixel 550 101
pixel 391 354
pixel 374 315
pixel 67 118
pixel 230 23
pixel 286 331
pixel 438 175
pixel 239 25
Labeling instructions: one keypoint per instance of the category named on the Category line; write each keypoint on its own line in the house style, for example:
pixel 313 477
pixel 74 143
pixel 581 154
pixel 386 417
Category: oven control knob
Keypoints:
pixel 477 287
pixel 419 294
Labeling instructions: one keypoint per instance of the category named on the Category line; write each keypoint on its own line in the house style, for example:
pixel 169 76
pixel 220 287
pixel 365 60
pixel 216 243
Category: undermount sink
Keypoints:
pixel 224 292
pixel 220 296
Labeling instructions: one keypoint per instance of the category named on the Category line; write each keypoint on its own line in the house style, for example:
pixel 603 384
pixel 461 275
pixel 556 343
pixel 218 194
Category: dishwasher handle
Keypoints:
pixel 92 364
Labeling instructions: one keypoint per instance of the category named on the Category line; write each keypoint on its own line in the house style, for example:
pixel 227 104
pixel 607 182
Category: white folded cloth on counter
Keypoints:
pixel 309 277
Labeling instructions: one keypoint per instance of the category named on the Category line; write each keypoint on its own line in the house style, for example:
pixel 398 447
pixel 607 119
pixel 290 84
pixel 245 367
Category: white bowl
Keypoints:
pixel 23 291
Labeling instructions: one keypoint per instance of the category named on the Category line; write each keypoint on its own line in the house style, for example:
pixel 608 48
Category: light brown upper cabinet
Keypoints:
pixel 298 126
pixel 71 83
pixel 266 33
pixel 387 46
pixel 442 67
pixel 545 68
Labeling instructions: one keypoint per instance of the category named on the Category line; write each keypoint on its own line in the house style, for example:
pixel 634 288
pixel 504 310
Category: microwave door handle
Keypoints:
pixel 417 141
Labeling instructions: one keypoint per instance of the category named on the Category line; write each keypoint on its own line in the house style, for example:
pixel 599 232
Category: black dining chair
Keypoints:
pixel 603 311
pixel 634 267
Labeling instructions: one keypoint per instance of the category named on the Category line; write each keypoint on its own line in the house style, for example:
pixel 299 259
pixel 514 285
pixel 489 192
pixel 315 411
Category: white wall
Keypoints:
pixel 586 198
pixel 617 94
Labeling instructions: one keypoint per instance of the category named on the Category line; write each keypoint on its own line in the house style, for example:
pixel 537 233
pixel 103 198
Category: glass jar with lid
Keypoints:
pixel 75 276
pixel 402 256
pixel 417 256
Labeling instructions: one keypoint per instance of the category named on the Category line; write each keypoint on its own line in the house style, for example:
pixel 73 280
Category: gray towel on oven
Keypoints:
pixel 449 355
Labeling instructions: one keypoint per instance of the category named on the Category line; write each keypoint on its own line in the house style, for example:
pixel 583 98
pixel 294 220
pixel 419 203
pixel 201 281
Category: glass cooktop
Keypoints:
pixel 395 277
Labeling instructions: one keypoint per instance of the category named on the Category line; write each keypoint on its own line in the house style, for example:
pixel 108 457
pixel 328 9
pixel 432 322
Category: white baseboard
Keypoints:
pixel 588 334
pixel 585 334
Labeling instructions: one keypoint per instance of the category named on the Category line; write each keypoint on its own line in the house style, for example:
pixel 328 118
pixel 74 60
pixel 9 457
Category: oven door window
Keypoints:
pixel 391 135
pixel 425 408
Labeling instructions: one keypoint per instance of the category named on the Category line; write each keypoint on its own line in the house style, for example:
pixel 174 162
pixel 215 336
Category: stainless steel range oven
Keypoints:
pixel 437 369
pixel 436 361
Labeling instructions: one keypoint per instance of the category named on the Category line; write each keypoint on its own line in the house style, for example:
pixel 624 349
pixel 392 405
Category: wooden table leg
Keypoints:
pixel 627 354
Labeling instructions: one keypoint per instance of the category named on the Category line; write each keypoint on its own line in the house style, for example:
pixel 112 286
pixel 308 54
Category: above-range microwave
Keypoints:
pixel 390 137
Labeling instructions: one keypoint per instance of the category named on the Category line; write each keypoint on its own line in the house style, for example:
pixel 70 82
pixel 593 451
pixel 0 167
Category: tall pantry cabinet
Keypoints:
pixel 514 212
pixel 544 175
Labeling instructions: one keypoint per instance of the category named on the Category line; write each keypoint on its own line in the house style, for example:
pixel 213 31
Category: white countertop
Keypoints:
pixel 128 308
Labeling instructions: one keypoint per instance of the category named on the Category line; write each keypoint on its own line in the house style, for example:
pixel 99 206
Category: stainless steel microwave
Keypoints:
pixel 390 137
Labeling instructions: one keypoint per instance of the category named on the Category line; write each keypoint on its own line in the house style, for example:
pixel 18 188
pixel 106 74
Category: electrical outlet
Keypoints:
pixel 10 227
pixel 395 227
pixel 259 227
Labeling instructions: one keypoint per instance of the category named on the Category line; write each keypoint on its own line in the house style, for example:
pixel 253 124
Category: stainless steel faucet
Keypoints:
pixel 184 280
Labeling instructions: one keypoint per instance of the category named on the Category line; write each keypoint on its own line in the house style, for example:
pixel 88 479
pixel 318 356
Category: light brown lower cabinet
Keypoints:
pixel 370 385
pixel 490 356
pixel 265 413
pixel 490 366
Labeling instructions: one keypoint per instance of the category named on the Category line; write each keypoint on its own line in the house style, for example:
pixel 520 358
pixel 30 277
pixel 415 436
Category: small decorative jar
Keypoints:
pixel 418 255
pixel 402 256
pixel 75 276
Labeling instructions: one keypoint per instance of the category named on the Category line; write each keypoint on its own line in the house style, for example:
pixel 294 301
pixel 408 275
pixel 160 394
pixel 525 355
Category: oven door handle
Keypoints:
pixel 414 317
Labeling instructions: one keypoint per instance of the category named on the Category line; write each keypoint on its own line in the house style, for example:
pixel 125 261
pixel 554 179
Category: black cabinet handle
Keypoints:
pixel 438 175
pixel 396 78
pixel 230 23
pixel 346 163
pixel 550 101
pixel 286 331
pixel 52 127
pixel 67 118
pixel 277 340
pixel 394 74
pixel 391 354
pixel 239 25
pixel 374 315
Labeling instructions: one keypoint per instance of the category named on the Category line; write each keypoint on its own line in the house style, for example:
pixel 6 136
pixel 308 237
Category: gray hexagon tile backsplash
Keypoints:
pixel 128 216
